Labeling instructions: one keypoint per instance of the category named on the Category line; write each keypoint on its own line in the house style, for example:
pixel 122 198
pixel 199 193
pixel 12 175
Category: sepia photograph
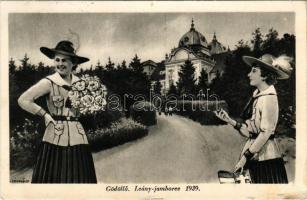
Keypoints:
pixel 153 101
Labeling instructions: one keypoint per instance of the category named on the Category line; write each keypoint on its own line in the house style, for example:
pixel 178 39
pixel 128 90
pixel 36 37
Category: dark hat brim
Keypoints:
pixel 50 53
pixel 252 61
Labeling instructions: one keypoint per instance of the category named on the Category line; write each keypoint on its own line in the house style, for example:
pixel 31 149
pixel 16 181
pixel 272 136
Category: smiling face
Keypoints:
pixel 255 77
pixel 63 64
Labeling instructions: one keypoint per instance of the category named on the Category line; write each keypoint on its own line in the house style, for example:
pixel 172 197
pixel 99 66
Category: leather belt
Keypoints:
pixel 254 136
pixel 65 118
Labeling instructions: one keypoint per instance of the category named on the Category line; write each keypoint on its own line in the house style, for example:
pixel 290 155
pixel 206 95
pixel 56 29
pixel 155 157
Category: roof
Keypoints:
pixel 149 62
pixel 193 37
pixel 199 53
pixel 156 75
pixel 216 47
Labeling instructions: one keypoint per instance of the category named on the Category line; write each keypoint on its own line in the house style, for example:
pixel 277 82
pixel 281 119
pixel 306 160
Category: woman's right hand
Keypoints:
pixel 48 119
pixel 223 115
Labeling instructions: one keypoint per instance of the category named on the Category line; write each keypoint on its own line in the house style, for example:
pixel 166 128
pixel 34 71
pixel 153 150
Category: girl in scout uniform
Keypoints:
pixel 261 155
pixel 64 155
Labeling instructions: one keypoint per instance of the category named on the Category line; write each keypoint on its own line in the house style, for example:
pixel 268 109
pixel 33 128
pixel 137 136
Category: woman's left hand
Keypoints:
pixel 240 164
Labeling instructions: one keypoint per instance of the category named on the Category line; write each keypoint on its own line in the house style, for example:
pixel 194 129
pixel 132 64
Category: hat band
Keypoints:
pixel 276 67
pixel 282 69
pixel 64 52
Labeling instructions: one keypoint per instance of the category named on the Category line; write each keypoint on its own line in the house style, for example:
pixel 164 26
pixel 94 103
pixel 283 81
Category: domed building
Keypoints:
pixel 216 47
pixel 193 46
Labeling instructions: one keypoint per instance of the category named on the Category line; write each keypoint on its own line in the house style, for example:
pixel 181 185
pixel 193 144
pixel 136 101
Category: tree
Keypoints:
pixel 99 66
pixel 286 45
pixel 110 65
pixel 286 88
pixel 257 42
pixel 203 81
pixel 24 62
pixel 236 90
pixel 186 82
pixel 12 66
pixel 136 65
pixel 172 90
pixel 123 65
pixel 157 87
pixel 270 44
pixel 217 86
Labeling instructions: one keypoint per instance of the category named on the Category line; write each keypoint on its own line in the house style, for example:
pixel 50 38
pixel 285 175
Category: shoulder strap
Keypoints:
pixel 52 84
pixel 270 94
pixel 247 111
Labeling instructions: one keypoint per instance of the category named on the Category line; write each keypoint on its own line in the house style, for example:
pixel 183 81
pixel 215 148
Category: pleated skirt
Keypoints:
pixel 58 164
pixel 268 171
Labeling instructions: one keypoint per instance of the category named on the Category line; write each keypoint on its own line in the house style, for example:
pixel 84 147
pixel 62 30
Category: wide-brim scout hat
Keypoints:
pixel 65 48
pixel 281 65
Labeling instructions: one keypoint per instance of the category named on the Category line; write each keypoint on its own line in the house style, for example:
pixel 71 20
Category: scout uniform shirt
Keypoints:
pixel 262 125
pixel 65 132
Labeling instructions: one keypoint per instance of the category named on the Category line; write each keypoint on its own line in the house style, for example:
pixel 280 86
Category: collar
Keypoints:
pixel 270 90
pixel 57 79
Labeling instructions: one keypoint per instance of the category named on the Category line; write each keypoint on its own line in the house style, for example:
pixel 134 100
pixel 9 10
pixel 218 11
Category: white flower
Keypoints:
pixel 80 85
pixel 87 100
pixel 100 100
pixel 76 104
pixel 95 107
pixel 88 95
pixel 93 85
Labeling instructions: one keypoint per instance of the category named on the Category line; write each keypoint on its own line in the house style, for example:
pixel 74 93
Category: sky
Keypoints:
pixel 122 35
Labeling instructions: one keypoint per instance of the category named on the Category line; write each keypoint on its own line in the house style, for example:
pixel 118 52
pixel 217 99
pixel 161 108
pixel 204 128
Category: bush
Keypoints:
pixel 24 142
pixel 101 119
pixel 144 113
pixel 25 139
pixel 201 111
pixel 286 125
pixel 119 132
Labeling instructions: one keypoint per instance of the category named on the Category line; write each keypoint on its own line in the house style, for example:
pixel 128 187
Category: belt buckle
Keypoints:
pixel 68 118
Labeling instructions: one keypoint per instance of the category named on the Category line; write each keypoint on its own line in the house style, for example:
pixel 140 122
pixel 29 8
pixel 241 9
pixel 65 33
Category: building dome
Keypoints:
pixel 192 38
pixel 216 47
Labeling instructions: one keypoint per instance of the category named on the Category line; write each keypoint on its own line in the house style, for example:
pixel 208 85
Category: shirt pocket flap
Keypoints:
pixel 58 100
pixel 59 129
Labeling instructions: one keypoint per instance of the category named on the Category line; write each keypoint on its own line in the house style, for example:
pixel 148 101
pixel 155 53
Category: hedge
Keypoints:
pixel 119 132
pixel 101 119
pixel 25 139
pixel 144 113
pixel 24 142
pixel 202 111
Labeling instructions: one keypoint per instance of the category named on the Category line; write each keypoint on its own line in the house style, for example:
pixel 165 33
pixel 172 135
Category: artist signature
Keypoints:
pixel 19 181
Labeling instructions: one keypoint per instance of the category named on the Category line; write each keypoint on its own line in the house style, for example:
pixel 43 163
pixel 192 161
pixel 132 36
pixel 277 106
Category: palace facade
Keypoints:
pixel 193 46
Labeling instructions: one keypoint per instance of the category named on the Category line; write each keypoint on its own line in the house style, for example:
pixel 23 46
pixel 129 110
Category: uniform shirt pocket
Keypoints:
pixel 58 101
pixel 59 129
pixel 80 129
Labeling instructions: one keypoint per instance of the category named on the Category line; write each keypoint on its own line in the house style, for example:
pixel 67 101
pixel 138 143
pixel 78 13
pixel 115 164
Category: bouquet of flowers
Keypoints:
pixel 88 95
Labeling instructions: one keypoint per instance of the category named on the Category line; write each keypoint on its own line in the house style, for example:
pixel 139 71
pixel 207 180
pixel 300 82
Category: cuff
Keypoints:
pixel 238 126
pixel 248 155
pixel 41 112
